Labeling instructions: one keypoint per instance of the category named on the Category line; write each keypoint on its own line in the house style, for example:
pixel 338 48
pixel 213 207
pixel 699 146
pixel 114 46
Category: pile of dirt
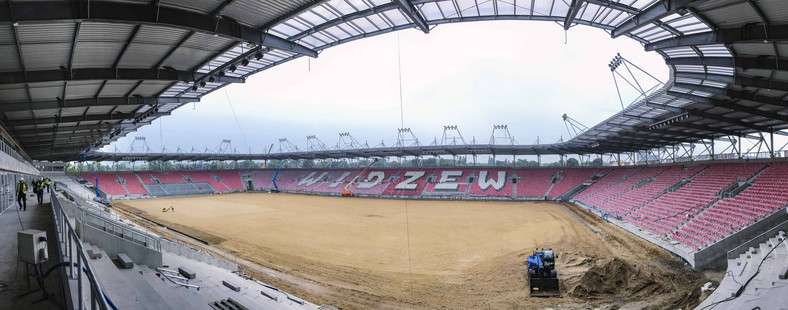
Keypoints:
pixel 613 278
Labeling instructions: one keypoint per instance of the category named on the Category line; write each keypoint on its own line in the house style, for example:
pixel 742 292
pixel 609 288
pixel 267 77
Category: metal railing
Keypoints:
pixel 74 255
pixel 96 216
pixel 112 226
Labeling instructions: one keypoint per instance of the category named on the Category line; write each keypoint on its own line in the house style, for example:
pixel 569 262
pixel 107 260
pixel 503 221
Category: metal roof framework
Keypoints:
pixel 80 74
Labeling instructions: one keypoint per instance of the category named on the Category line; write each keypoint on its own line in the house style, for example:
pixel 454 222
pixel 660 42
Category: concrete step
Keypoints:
pixel 211 278
pixel 181 297
pixel 126 288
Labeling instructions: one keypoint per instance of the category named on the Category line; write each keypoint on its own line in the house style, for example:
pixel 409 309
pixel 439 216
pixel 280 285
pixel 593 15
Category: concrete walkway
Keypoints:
pixel 14 292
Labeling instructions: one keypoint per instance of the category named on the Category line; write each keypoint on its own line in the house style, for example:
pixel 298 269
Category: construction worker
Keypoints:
pixel 40 191
pixel 47 182
pixel 21 194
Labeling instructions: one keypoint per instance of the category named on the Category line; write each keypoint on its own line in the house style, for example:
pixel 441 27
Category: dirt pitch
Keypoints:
pixel 358 253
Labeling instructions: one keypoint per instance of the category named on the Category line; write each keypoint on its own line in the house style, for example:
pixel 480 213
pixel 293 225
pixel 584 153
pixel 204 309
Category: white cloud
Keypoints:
pixel 473 75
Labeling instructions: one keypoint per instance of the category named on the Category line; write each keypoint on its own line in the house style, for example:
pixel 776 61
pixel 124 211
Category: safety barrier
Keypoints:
pixel 72 252
pixel 114 227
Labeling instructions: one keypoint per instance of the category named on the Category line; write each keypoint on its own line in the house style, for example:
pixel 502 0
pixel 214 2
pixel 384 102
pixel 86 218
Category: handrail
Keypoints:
pixel 112 226
pixel 71 247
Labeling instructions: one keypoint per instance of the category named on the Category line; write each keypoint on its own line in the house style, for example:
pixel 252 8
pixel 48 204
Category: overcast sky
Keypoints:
pixel 473 75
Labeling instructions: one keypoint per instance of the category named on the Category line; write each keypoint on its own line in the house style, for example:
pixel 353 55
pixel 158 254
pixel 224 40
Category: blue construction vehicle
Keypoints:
pixel 542 277
pixel 276 187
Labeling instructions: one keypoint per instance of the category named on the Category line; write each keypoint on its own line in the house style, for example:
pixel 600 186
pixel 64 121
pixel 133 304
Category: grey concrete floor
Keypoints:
pixel 14 291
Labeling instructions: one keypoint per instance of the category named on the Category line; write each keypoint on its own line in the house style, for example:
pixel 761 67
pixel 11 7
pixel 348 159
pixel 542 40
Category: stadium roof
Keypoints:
pixel 77 75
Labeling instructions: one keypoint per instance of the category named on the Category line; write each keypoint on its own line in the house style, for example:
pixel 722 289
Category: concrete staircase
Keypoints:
pixel 768 286
pixel 142 287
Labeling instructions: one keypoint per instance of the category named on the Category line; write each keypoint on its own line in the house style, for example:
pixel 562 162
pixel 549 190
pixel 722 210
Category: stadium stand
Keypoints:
pixel 375 185
pixel 262 178
pixel 570 179
pixel 768 194
pixel 492 182
pixel 335 181
pixel 230 178
pixel 534 182
pixel 169 177
pixel 615 175
pixel 696 206
pixel 108 182
pixel 202 177
pixel 665 214
pixel 639 196
pixel 615 186
pixel 146 178
pixel 456 181
pixel 133 183
pixel 409 182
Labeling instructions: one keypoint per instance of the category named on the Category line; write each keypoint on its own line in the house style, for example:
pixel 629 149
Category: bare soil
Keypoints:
pixel 357 253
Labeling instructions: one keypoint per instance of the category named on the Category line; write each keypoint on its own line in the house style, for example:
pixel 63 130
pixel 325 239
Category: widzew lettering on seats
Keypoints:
pixel 310 180
pixel 448 181
pixel 374 178
pixel 340 180
pixel 497 184
pixel 412 176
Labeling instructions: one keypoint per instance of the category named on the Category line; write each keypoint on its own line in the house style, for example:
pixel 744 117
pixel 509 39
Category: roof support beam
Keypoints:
pixel 413 14
pixel 106 127
pixel 743 81
pixel 708 89
pixel 570 16
pixel 108 74
pixel 727 120
pixel 218 11
pixel 733 106
pixel 615 5
pixel 132 37
pixel 70 138
pixel 131 13
pixel 640 118
pixel 91 102
pixel 769 63
pixel 706 128
pixel 173 49
pixel 77 119
pixel 678 133
pixel 655 12
pixel 753 96
pixel 665 107
pixel 747 33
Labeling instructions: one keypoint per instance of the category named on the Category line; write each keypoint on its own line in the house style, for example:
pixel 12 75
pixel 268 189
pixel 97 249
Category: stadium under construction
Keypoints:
pixel 677 201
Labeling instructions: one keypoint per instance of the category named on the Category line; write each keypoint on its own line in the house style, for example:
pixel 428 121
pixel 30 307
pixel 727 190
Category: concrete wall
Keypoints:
pixel 10 164
pixel 195 255
pixel 716 255
pixel 755 242
pixel 113 245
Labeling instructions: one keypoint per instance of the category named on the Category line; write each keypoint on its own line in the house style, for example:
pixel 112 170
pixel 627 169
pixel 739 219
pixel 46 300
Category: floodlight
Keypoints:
pixel 245 62
pixel 258 55
pixel 232 68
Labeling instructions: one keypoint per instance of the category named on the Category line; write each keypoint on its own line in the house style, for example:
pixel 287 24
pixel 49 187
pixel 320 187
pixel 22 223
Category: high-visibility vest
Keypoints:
pixel 21 187
pixel 47 181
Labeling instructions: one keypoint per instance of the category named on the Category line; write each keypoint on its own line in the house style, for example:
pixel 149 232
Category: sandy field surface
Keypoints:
pixel 358 253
